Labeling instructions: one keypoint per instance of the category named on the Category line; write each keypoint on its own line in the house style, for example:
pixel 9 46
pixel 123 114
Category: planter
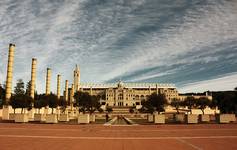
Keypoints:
pixel 31 114
pixel 39 117
pixel 64 118
pixel 226 118
pixel 21 118
pixel 180 118
pixel 5 112
pixel 150 118
pixel 92 118
pixel 51 118
pixel 11 116
pixel 192 118
pixel 46 111
pixel 84 118
pixel 204 118
pixel 159 118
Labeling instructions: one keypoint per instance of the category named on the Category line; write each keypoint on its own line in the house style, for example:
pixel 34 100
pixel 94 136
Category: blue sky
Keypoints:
pixel 191 43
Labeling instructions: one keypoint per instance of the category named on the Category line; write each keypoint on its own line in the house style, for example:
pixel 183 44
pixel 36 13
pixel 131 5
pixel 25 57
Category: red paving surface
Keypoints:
pixel 96 137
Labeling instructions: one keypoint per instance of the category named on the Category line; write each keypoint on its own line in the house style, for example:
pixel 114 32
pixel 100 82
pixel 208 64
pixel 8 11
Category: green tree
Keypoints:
pixel 63 103
pixel 52 101
pixel 190 102
pixel 86 102
pixel 155 102
pixel 40 101
pixel 202 103
pixel 176 103
pixel 19 99
pixel 109 109
pixel 226 101
pixel 131 110
pixel 2 96
pixel 28 86
pixel 19 88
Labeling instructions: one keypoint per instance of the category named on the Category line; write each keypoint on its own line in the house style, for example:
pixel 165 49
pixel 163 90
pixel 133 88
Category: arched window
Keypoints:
pixel 137 97
pixel 120 97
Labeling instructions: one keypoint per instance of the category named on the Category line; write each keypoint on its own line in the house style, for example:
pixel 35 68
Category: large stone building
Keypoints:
pixel 123 94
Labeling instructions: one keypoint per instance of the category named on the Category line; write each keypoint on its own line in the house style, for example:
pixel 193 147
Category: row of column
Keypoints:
pixel 33 77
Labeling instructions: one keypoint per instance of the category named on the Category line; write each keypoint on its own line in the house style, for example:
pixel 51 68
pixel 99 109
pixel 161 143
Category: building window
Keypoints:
pixel 136 97
pixel 120 96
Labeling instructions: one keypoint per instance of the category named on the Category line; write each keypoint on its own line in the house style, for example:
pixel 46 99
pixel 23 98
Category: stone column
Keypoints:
pixel 58 86
pixel 66 90
pixel 157 92
pixel 33 77
pixel 91 90
pixel 48 78
pixel 9 72
pixel 72 92
pixel 72 96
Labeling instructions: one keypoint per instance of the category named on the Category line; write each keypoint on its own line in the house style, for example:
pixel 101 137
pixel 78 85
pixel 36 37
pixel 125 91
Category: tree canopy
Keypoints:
pixel 226 101
pixel 176 103
pixel 155 102
pixel 190 102
pixel 86 102
pixel 19 99
pixel 2 95
pixel 202 103
pixel 52 101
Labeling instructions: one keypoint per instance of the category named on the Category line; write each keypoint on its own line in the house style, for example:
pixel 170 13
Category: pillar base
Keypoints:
pixel 6 110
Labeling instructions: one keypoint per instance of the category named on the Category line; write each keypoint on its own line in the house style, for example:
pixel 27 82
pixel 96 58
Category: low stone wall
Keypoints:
pixel 39 117
pixel 204 118
pixel 150 117
pixel 180 118
pixel 63 117
pixel 83 118
pixel 51 118
pixel 21 118
pixel 226 118
pixel 192 118
pixel 159 118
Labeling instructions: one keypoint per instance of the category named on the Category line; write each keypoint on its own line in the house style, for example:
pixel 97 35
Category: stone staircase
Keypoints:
pixel 120 109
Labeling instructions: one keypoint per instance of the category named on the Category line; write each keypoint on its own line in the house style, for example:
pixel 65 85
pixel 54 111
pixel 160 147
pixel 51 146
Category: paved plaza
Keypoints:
pixel 124 137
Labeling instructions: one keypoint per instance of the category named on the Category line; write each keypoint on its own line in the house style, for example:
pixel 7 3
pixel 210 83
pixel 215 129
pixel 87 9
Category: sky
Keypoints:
pixel 189 43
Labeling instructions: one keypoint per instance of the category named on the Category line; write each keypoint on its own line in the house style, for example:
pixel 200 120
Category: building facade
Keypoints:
pixel 124 94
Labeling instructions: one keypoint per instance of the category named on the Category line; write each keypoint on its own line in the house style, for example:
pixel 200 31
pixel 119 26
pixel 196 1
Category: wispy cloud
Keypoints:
pixel 227 82
pixel 142 40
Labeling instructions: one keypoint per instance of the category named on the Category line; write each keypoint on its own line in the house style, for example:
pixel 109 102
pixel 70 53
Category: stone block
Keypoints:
pixel 204 118
pixel 180 118
pixel 63 117
pixel 51 118
pixel 21 118
pixel 92 117
pixel 11 116
pixel 159 118
pixel 39 117
pixel 5 112
pixel 31 114
pixel 150 118
pixel 192 118
pixel 84 118
pixel 227 118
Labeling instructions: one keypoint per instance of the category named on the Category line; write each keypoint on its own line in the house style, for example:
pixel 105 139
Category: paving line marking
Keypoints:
pixel 189 144
pixel 116 138
pixel 115 130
